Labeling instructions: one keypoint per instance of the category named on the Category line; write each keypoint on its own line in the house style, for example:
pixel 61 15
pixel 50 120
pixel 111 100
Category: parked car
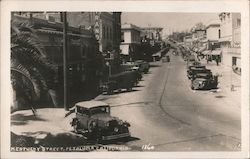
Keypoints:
pixel 125 80
pixel 193 63
pixel 142 65
pixel 93 119
pixel 204 81
pixel 194 70
pixel 165 59
pixel 132 67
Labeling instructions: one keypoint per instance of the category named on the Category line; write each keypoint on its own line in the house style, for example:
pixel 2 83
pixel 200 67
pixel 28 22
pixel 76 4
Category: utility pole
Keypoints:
pixel 65 58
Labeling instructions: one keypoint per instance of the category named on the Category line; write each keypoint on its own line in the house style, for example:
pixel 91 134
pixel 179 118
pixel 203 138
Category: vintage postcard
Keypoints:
pixel 125 79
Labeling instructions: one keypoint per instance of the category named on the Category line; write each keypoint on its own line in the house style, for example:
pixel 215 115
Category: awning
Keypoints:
pixel 216 52
pixel 124 49
pixel 224 39
pixel 206 52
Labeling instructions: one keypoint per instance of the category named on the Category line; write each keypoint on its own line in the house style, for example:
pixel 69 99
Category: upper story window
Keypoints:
pixel 104 32
pixel 122 36
pixel 108 33
pixel 83 51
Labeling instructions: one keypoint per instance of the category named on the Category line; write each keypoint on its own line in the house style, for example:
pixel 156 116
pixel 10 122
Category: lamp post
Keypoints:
pixel 65 65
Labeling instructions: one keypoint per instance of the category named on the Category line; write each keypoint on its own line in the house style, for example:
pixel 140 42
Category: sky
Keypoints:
pixel 169 21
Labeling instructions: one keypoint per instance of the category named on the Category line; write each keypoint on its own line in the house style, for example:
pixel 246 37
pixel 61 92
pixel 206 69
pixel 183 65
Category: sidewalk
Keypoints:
pixel 229 82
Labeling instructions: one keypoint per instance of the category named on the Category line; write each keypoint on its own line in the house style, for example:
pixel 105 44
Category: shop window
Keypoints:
pixel 122 37
pixel 234 61
pixel 111 34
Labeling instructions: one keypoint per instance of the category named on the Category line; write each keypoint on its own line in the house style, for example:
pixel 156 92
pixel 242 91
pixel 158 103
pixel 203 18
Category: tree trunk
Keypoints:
pixel 54 97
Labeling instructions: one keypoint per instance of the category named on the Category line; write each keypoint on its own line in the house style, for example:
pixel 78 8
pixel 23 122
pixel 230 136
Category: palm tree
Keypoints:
pixel 31 72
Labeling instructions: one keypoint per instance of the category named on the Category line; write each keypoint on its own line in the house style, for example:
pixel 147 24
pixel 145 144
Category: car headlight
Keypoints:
pixel 107 124
pixel 120 122
pixel 126 124
pixel 94 124
pixel 116 129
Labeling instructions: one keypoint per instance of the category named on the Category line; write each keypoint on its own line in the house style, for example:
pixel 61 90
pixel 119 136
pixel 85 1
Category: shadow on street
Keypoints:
pixel 21 119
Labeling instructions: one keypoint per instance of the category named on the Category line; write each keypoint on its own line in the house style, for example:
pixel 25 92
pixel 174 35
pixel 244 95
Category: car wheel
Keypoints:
pixel 75 128
pixel 91 126
pixel 192 87
pixel 195 85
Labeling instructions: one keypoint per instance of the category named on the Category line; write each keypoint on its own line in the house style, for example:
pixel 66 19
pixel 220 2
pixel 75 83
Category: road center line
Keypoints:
pixel 161 106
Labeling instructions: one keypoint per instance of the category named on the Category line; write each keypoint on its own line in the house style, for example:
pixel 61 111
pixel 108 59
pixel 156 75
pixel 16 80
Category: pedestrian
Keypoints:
pixel 217 60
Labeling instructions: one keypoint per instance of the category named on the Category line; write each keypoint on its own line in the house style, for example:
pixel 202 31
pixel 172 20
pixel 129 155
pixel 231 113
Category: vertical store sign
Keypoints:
pixel 97 25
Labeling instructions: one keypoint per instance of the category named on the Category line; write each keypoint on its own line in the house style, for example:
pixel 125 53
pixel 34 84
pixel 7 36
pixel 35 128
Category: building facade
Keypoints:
pixel 213 35
pixel 153 33
pixel 130 45
pixel 230 39
pixel 105 25
pixel 84 60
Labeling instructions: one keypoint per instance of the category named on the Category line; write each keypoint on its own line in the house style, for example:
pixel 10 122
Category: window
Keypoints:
pixel 99 110
pixel 82 110
pixel 104 32
pixel 107 31
pixel 238 22
pixel 122 37
pixel 83 53
pixel 111 35
pixel 219 33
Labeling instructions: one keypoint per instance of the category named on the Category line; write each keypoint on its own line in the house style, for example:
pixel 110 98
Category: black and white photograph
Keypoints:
pixel 126 81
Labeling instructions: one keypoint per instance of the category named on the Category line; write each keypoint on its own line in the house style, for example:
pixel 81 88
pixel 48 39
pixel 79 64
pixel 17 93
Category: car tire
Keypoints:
pixel 75 128
pixel 90 126
pixel 195 85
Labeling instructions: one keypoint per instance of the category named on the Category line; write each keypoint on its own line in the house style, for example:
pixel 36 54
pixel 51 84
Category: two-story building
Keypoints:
pixel 84 61
pixel 130 45
pixel 213 34
pixel 198 38
pixel 230 39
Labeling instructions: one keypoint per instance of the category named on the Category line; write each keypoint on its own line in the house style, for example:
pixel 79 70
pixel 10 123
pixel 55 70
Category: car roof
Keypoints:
pixel 91 104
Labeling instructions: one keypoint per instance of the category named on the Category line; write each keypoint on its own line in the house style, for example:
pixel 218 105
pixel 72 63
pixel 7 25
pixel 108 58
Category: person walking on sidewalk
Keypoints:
pixel 217 60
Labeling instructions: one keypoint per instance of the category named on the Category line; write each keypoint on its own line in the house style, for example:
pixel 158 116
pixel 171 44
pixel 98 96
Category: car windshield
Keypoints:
pixel 99 110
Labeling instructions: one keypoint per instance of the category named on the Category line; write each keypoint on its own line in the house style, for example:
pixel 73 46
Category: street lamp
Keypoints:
pixel 65 70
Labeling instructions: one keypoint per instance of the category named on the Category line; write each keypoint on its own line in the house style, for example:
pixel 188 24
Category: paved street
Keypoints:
pixel 167 115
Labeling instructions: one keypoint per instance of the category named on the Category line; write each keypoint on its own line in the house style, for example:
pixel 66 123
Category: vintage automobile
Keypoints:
pixel 93 120
pixel 194 70
pixel 193 63
pixel 132 67
pixel 124 80
pixel 190 58
pixel 204 81
pixel 142 65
